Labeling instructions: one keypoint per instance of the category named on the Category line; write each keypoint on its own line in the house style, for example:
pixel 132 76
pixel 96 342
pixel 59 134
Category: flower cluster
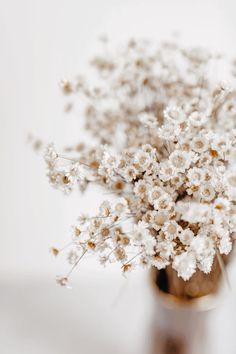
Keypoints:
pixel 166 146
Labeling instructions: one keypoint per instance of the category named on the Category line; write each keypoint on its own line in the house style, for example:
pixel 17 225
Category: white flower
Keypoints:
pixel 169 131
pixel 163 203
pixel 155 193
pixel 205 264
pixel 204 250
pixel 193 212
pixel 165 249
pixel 176 182
pixel 105 209
pixel 150 150
pixel 195 176
pixel 129 173
pixel 159 262
pixel 197 119
pixel 207 192
pixel 174 114
pixel 109 161
pixel 171 230
pixel 143 160
pixel 199 144
pixel 141 236
pixel 221 205
pixel 186 236
pixel 230 179
pixel 205 159
pixel 148 120
pixel 185 265
pixel 181 160
pixel 222 145
pixel 157 219
pixel 50 154
pixel 140 189
pixel 167 171
pixel 225 245
pixel 140 231
pixel 149 243
pixel 121 207
pixel 72 257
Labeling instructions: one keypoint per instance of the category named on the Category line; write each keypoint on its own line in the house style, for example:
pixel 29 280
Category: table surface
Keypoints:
pixel 102 314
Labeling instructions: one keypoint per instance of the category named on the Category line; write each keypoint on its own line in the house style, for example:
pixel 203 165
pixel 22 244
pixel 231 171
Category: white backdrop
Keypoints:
pixel 42 42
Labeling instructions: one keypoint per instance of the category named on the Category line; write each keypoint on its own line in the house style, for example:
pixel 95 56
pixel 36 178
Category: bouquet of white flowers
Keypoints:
pixel 164 142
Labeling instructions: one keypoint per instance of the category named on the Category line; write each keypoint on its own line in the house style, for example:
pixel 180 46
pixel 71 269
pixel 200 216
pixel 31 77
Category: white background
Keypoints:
pixel 42 42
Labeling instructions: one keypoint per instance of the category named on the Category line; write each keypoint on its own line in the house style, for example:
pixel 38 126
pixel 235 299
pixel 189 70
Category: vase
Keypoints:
pixel 181 321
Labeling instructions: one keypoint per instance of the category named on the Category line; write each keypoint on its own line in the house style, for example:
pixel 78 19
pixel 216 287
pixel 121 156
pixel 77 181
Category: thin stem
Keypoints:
pixel 131 259
pixel 76 263
pixel 73 160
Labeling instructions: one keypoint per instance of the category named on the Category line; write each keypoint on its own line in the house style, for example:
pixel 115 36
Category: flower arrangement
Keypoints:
pixel 165 145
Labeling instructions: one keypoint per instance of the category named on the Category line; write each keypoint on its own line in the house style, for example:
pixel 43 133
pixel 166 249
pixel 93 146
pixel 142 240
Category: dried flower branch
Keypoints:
pixel 166 146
